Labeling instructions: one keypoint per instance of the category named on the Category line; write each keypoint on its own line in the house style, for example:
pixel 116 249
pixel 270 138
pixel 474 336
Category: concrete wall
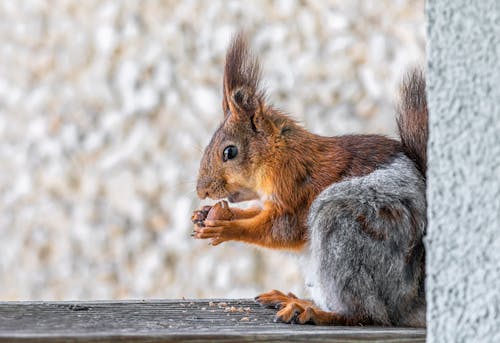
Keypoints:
pixel 463 241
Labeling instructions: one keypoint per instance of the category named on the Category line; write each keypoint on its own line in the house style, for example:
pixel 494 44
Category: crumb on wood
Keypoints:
pixel 244 319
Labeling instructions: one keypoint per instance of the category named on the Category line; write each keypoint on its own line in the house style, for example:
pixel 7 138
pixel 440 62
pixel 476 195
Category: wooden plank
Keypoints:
pixel 172 321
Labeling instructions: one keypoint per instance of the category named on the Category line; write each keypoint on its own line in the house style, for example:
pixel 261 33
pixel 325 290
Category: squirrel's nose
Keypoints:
pixel 202 189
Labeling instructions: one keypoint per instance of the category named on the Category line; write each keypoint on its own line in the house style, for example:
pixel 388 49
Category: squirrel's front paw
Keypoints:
pixel 219 211
pixel 216 225
pixel 199 216
pixel 217 230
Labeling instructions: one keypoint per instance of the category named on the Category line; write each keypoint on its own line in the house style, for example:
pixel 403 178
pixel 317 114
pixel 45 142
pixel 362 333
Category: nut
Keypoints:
pixel 220 211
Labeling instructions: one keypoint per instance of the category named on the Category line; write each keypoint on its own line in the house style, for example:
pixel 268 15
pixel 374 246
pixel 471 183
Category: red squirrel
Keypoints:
pixel 353 207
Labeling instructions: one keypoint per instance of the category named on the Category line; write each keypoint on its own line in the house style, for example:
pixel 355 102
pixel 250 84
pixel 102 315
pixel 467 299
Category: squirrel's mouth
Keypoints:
pixel 242 196
pixel 234 197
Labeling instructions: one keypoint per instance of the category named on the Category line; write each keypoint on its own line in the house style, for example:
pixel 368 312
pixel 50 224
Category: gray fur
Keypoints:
pixel 376 275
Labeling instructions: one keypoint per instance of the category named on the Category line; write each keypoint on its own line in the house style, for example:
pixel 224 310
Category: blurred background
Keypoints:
pixel 106 106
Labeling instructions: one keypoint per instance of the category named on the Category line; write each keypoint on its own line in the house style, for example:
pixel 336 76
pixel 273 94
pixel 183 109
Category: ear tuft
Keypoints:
pixel 241 77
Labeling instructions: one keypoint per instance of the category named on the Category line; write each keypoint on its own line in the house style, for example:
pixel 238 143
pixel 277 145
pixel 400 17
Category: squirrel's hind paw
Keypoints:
pixel 278 299
pixel 306 315
pixel 295 310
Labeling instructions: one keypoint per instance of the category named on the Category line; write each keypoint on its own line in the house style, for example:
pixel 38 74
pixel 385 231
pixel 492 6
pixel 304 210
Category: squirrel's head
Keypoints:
pixel 232 164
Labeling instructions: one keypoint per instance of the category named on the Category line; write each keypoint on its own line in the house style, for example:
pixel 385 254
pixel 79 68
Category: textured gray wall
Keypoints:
pixel 463 242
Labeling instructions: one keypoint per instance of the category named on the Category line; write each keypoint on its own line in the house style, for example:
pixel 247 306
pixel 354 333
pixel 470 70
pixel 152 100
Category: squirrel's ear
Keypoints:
pixel 243 100
pixel 242 96
pixel 246 106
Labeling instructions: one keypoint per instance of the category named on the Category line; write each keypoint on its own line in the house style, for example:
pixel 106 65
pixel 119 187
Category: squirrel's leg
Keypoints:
pixel 240 213
pixel 250 229
pixel 199 216
pixel 293 309
pixel 255 230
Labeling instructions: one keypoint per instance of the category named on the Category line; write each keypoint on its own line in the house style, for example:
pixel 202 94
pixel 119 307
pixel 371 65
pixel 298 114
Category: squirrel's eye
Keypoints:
pixel 229 153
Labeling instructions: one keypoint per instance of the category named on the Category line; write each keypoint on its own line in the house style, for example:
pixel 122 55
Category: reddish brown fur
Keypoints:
pixel 301 164
pixel 285 164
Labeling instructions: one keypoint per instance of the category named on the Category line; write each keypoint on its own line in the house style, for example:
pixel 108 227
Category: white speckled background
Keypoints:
pixel 105 107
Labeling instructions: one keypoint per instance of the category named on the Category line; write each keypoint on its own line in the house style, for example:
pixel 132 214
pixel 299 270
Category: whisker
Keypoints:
pixel 189 193
pixel 187 181
pixel 198 147
pixel 182 184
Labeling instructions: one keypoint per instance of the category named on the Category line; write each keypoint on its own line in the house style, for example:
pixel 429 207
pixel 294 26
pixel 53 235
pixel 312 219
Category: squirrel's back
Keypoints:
pixel 412 119
pixel 366 255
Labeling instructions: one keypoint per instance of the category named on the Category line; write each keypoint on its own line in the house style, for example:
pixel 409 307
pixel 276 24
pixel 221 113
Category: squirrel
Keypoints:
pixel 352 207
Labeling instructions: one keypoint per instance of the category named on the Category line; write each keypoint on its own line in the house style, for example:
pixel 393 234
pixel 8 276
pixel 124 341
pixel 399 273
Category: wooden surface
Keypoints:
pixel 172 321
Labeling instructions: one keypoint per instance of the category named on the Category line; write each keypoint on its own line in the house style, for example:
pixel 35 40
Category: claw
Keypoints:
pixel 292 309
pixel 199 216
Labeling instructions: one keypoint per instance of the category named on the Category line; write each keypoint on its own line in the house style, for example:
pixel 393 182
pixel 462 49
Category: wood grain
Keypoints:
pixel 215 320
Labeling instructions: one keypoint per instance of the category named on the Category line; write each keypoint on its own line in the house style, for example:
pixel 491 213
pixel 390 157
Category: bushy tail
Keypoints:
pixel 412 119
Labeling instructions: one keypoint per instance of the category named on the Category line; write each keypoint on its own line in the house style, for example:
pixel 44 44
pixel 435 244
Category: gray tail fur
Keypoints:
pixel 412 119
